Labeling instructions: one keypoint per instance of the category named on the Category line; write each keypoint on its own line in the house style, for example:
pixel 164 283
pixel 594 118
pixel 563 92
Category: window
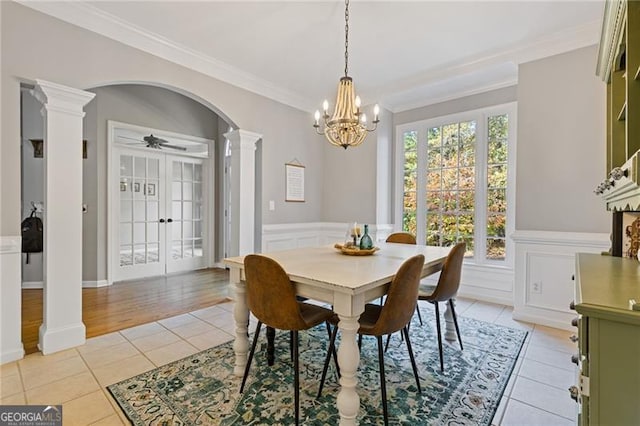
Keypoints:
pixel 456 181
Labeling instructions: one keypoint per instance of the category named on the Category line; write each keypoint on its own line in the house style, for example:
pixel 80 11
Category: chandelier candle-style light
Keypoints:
pixel 348 125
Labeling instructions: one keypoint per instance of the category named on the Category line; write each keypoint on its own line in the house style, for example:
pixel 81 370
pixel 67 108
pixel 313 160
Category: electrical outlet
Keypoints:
pixel 536 287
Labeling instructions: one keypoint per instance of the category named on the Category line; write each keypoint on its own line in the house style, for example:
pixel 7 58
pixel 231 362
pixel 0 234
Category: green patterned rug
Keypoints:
pixel 202 390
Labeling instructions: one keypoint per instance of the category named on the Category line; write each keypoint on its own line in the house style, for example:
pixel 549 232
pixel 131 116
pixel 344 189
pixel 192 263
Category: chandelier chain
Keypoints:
pixel 346 38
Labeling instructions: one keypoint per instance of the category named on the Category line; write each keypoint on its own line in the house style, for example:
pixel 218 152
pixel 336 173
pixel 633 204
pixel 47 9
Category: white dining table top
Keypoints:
pixel 328 268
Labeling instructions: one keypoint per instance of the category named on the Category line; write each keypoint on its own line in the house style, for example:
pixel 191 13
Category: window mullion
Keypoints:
pixel 480 222
pixel 421 187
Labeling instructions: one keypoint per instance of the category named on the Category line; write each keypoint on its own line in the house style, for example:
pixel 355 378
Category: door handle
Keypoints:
pixel 161 221
pixel 169 220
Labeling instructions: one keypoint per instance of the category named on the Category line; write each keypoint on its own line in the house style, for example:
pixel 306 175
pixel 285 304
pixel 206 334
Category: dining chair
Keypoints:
pixel 446 290
pixel 272 299
pixel 393 316
pixel 401 237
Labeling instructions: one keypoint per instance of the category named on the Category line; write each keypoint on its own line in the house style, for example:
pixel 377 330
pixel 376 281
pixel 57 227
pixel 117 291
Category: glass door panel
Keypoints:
pixel 159 207
pixel 139 227
pixel 187 222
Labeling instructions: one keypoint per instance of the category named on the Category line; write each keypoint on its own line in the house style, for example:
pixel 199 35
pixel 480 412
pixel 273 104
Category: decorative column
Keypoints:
pixel 243 191
pixel 62 326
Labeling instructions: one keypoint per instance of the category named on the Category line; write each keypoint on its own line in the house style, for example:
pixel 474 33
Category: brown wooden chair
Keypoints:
pixel 272 299
pixel 446 290
pixel 393 316
pixel 401 237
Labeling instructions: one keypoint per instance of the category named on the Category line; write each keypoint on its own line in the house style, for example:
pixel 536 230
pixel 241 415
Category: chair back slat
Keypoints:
pixel 271 296
pixel 402 298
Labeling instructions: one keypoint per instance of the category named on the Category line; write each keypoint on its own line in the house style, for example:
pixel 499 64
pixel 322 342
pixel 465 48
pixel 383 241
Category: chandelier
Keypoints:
pixel 348 125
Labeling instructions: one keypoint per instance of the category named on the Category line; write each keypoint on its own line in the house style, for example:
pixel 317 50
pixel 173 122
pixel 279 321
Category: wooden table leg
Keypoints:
pixel 348 401
pixel 241 316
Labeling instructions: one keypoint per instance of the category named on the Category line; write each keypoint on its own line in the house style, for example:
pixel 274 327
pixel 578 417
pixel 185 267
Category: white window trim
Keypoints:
pixel 480 115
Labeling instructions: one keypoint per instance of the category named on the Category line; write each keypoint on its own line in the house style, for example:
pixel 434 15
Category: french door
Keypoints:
pixel 158 212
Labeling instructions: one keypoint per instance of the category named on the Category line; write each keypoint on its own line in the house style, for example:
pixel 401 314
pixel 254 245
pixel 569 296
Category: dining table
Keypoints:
pixel 347 283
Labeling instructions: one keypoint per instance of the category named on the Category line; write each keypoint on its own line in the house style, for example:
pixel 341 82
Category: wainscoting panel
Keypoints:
pixel 545 264
pixel 290 236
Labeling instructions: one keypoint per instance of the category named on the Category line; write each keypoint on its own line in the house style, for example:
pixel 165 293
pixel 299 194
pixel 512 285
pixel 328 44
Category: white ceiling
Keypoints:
pixel 401 54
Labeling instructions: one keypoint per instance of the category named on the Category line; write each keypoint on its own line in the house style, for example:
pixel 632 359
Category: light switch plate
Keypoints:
pixel 272 205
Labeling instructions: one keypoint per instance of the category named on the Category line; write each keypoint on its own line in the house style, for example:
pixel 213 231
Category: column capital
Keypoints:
pixel 242 138
pixel 62 98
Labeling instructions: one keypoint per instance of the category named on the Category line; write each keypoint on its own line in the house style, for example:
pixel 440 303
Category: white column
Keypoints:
pixel 62 326
pixel 243 188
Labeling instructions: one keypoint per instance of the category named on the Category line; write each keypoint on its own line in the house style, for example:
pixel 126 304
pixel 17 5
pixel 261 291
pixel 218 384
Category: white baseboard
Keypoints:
pixel 95 284
pixel 58 339
pixel 32 284
pixel 12 355
pixel 85 284
pixel 486 295
pixel 552 319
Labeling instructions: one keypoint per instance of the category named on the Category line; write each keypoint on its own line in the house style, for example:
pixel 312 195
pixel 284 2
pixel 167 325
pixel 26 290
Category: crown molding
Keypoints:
pixel 93 19
pixel 87 16
pixel 557 43
pixel 453 94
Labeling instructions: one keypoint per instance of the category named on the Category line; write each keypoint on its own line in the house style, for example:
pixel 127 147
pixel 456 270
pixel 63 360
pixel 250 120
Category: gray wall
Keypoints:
pixel 147 106
pixel 32 176
pixel 69 55
pixel 561 144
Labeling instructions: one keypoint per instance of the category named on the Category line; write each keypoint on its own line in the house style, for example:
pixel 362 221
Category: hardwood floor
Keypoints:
pixel 131 303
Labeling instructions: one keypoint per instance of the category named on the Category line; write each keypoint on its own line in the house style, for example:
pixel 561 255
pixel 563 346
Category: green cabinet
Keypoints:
pixel 619 67
pixel 609 339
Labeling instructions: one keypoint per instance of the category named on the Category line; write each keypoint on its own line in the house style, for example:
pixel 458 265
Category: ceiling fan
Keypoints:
pixel 156 142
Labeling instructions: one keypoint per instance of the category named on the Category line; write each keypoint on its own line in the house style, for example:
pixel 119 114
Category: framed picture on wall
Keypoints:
pixel 136 187
pixel 294 182
pixel 123 186
pixel 150 189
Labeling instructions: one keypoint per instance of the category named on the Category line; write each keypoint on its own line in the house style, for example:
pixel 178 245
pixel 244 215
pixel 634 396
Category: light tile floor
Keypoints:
pixel 77 378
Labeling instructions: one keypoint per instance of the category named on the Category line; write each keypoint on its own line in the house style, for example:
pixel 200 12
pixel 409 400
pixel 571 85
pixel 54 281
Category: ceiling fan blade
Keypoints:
pixel 133 139
pixel 168 145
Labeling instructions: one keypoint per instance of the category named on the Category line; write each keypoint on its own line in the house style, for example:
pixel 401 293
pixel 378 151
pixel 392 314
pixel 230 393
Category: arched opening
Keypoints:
pixel 148 105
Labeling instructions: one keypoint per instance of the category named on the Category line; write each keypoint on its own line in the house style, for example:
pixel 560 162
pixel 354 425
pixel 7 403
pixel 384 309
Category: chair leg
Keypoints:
pixel 291 344
pixel 419 314
pixel 413 360
pixel 330 349
pixel 253 349
pixel 271 337
pixel 383 386
pixel 439 335
pixel 333 351
pixel 296 377
pixel 386 345
pixel 455 321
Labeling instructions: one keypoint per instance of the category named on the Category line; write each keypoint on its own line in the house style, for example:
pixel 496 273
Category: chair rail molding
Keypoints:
pixel 545 264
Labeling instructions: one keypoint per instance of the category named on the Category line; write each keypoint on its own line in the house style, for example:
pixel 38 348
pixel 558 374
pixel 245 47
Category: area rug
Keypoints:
pixel 202 389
